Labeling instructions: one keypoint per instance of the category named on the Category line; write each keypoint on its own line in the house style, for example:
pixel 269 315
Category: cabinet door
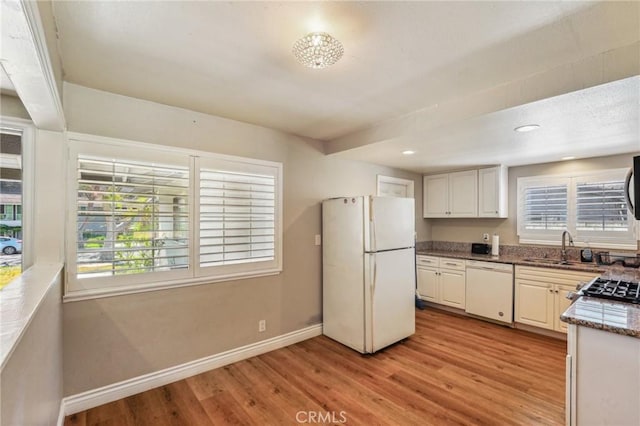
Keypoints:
pixel 561 305
pixel 428 284
pixel 463 194
pixel 435 202
pixel 534 303
pixel 492 192
pixel 452 288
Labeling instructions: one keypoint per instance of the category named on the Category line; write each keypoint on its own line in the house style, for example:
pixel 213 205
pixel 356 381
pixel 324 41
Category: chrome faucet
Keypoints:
pixel 563 254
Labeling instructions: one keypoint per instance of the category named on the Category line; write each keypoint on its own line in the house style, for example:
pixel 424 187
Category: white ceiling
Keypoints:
pixel 599 121
pixel 233 59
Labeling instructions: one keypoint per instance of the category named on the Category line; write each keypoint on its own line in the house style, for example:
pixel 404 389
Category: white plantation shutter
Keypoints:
pixel 132 217
pixel 592 207
pixel 601 209
pixel 545 207
pixel 142 217
pixel 602 206
pixel 238 217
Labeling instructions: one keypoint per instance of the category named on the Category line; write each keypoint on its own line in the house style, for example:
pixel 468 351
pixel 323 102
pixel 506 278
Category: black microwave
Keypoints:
pixel 633 200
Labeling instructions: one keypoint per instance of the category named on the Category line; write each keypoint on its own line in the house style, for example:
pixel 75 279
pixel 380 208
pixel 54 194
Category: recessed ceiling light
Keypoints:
pixel 527 128
pixel 408 152
pixel 571 157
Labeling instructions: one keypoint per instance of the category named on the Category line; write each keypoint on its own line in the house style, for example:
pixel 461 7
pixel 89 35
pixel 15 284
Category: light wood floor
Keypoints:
pixel 454 370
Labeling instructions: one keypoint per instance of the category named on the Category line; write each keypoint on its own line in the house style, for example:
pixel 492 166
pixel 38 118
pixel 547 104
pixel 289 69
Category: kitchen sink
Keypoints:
pixel 545 261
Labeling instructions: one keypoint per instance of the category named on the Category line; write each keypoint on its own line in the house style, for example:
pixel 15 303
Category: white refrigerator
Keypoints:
pixel 368 266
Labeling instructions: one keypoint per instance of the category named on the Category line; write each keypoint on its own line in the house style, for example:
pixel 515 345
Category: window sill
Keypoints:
pixel 20 301
pixel 87 294
pixel 618 246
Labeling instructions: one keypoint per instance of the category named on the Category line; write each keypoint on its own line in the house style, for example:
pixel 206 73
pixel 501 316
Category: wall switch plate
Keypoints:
pixel 318 239
pixel 485 237
pixel 262 325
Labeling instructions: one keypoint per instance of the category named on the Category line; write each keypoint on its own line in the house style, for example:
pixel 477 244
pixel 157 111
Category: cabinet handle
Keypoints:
pixel 550 290
pixel 557 291
pixel 450 264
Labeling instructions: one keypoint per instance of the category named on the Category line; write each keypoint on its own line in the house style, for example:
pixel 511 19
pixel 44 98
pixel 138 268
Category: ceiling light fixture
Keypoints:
pixel 571 157
pixel 527 128
pixel 317 50
pixel 408 152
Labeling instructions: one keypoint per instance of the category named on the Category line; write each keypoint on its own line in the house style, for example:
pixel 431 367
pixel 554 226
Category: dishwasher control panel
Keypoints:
pixel 493 266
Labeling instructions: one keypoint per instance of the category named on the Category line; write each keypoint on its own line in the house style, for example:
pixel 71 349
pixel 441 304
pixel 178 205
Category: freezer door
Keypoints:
pixel 390 286
pixel 391 223
pixel 343 300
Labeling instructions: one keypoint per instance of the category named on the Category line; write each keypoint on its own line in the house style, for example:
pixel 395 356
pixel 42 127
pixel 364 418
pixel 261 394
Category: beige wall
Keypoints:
pixel 113 339
pixel 11 106
pixel 31 380
pixel 471 230
pixel 48 217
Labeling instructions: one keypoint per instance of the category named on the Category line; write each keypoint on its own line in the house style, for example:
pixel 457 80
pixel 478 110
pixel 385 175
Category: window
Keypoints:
pixel 157 217
pixel 591 207
pixel 15 180
pixel 545 207
pixel 129 217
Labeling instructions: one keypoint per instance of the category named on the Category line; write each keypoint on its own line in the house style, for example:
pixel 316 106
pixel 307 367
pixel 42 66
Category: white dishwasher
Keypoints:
pixel 489 290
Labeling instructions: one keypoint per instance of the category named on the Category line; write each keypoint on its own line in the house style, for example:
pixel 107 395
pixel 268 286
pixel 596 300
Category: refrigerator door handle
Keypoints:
pixel 375 274
pixel 372 226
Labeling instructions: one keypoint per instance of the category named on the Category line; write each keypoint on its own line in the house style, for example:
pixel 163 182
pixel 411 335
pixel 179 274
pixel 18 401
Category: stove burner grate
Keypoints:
pixel 619 290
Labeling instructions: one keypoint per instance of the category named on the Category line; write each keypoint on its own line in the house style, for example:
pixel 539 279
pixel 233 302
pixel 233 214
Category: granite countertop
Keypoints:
pixel 607 315
pixel 515 260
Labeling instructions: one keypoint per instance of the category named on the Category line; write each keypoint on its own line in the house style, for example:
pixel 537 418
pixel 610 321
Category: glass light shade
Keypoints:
pixel 318 50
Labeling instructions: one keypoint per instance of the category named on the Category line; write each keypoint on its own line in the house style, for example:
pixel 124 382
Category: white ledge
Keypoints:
pixel 19 302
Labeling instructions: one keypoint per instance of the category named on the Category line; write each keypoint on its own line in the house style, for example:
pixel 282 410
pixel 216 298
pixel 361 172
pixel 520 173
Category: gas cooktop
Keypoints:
pixel 622 291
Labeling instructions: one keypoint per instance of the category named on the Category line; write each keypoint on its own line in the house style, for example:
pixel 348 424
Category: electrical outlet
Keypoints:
pixel 318 239
pixel 262 326
pixel 485 237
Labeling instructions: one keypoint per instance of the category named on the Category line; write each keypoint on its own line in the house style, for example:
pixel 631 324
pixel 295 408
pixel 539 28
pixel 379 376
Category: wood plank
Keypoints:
pixel 454 370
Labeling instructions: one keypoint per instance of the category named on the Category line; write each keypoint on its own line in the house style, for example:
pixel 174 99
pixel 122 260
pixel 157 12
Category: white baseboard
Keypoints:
pixel 93 398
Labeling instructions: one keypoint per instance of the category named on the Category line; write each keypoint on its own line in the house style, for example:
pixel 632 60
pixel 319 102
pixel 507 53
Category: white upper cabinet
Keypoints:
pixel 463 194
pixel 493 187
pixel 471 193
pixel 436 196
pixel 451 195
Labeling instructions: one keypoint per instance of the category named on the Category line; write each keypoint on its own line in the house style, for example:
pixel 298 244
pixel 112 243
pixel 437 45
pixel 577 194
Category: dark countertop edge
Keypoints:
pixel 587 267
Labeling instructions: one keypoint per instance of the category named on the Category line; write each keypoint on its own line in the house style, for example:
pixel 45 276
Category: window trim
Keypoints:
pixel 79 143
pixel 407 183
pixel 27 131
pixel 571 179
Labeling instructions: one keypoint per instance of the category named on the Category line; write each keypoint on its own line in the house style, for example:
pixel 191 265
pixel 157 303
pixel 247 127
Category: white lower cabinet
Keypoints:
pixel 428 284
pixel 541 293
pixel 441 280
pixel 603 378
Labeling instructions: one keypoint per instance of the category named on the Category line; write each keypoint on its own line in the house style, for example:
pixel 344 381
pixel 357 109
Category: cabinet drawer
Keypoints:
pixel 457 264
pixel 427 261
pixel 554 276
